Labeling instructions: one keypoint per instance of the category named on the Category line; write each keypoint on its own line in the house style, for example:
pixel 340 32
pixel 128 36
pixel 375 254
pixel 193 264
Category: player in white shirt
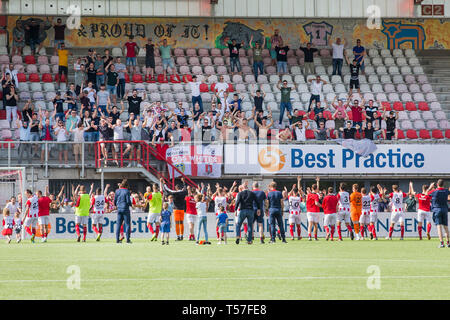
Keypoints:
pixel 364 219
pixel 295 199
pixel 18 223
pixel 374 202
pixel 344 211
pixel 31 214
pixel 398 213
pixel 98 207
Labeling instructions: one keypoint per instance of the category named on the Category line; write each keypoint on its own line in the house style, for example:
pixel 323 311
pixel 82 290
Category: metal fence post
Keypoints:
pixel 82 160
pixel 46 159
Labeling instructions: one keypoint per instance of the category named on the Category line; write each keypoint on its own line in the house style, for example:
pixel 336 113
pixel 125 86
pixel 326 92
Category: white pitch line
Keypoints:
pixel 231 278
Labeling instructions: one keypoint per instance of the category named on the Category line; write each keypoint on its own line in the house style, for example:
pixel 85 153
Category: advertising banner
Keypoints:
pixel 334 159
pixel 196 160
pixel 63 226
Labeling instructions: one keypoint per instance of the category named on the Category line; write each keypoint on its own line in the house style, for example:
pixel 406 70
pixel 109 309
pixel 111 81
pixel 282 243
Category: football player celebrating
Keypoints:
pixel 397 214
pixel 330 206
pixel 343 210
pixel 374 202
pixel 424 211
pixel 295 200
pixel 364 220
pixel 355 208
pixel 98 206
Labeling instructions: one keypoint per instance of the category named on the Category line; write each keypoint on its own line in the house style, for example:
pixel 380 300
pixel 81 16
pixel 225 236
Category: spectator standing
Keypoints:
pixel 166 57
pixel 357 113
pixel 121 70
pixel 245 201
pixel 90 58
pixel 309 58
pixel 33 28
pixel 360 52
pixel 131 47
pixel 78 139
pixel 282 58
pixel 34 132
pixel 234 47
pixel 285 104
pixel 275 41
pixel 91 74
pixel 58 104
pixel 195 92
pixel 258 98
pixel 62 137
pixel 316 90
pixel 150 59
pixel 13 73
pixel 24 131
pixel 122 200
pixel 221 88
pixel 60 29
pixel 354 75
pixel 47 134
pixel 112 81
pixel 258 64
pixel 63 64
pixel 107 58
pixel 338 56
pixel 80 76
pixel 102 100
pixel 100 71
pixel 11 106
pixel 391 130
pixel 71 98
pixel 7 83
pixel 18 34
pixel 134 102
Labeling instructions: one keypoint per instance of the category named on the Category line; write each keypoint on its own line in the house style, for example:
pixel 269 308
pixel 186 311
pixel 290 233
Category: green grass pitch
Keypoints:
pixel 409 269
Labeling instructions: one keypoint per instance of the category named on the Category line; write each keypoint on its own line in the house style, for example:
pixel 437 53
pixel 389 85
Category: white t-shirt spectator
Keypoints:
pixel 338 51
pixel 221 87
pixel 118 132
pixel 12 208
pixel 78 135
pixel 195 88
pixel 91 94
pixel 300 134
pixel 316 88
pixel 61 134
pixel 201 209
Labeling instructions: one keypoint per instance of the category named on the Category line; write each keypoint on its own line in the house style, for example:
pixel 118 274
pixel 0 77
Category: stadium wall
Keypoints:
pixel 207 32
pixel 63 226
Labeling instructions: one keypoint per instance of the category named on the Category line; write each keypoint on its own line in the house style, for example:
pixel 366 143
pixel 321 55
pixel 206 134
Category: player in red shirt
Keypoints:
pixel 191 212
pixel 330 206
pixel 44 213
pixel 313 209
pixel 424 211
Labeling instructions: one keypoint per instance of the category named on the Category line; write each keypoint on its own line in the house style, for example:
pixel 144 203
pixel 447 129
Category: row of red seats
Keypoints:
pixel 409 106
pixel 34 77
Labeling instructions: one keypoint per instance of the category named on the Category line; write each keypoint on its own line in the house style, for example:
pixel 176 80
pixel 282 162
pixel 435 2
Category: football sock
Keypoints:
pixel 332 232
pixel 94 227
pixel 101 229
pixel 84 232
pixel 33 230
pixel 428 227
pixel 28 230
pixel 374 232
pixel 177 227
pixel 77 229
pixel 339 232
pixel 291 230
pixel 245 228
pixel 150 228
pixel 402 230
pixel 356 226
pixel 391 229
pixel 327 230
pixel 420 232
pixel 217 232
pixel 157 231
pixel 299 230
pixel 349 228
pixel 362 231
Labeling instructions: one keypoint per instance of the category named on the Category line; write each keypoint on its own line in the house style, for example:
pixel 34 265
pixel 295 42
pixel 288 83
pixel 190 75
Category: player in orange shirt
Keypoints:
pixel 355 208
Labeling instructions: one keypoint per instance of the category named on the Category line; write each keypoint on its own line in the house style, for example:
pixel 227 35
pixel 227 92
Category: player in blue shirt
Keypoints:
pixel 260 198
pixel 275 198
pixel 359 51
pixel 439 207
pixel 221 223
pixel 166 220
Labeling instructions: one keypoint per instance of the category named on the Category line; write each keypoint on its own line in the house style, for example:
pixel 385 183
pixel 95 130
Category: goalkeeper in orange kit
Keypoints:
pixel 355 208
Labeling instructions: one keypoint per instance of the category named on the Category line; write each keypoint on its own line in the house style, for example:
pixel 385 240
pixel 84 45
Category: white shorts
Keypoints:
pixel 295 218
pixel 44 220
pixel 153 217
pixel 423 215
pixel 30 222
pixel 83 220
pixel 397 216
pixel 97 218
pixel 365 217
pixel 329 219
pixel 313 217
pixel 373 216
pixel 191 218
pixel 343 216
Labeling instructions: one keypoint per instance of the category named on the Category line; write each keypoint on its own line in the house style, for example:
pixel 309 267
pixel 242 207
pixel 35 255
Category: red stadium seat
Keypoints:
pixel 424 134
pixel 447 132
pixel 437 134
pixel 398 106
pixel 230 88
pixel 174 78
pixel 127 78
pixel 332 136
pixel 423 106
pixel 2 114
pixel 137 78
pixel 1 94
pixel 309 134
pixel 204 87
pixel 411 134
pixel 47 77
pixel 34 77
pixel 387 105
pixel 213 87
pixel 401 134
pixel 327 115
pixel 63 77
pixel 410 106
pixel 187 78
pixel 30 59
pixel 21 77
pixel 162 79
pixel 5 145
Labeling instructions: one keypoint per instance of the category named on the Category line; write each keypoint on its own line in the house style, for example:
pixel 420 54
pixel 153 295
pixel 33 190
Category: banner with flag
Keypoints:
pixel 196 160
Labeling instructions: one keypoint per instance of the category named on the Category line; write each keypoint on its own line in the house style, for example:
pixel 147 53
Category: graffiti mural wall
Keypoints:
pixel 214 33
